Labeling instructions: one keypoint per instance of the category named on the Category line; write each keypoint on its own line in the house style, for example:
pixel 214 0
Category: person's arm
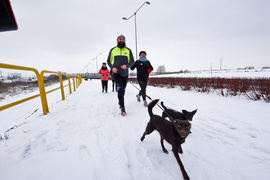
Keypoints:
pixel 150 69
pixel 109 59
pixel 133 66
pixel 131 62
pixel 108 72
pixel 150 66
pixel 99 72
pixel 114 69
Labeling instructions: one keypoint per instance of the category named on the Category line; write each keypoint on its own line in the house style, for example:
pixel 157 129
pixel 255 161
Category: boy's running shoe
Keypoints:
pixel 123 111
pixel 138 98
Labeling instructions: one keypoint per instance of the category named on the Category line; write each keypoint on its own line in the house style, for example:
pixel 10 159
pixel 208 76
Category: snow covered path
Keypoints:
pixel 84 137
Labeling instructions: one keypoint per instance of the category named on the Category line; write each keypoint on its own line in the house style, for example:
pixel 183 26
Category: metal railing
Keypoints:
pixel 42 93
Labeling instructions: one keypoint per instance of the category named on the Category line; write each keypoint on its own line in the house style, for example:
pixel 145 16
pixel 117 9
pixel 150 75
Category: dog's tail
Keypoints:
pixel 150 107
pixel 163 105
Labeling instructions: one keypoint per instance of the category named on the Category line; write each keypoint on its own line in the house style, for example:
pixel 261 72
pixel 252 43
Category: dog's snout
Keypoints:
pixel 183 134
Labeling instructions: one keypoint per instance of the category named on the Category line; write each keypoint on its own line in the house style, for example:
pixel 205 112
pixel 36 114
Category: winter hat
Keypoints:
pixel 142 52
pixel 120 36
pixel 103 63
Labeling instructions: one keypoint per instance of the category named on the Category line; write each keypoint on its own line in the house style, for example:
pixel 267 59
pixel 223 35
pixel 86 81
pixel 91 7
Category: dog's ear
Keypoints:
pixel 184 111
pixel 194 112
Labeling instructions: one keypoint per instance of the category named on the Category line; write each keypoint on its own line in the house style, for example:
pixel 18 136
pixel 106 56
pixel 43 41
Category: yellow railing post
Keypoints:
pixel 61 86
pixel 69 85
pixel 77 82
pixel 74 83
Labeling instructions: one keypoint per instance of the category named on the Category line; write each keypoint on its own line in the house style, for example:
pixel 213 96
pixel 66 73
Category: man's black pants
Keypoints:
pixel 121 83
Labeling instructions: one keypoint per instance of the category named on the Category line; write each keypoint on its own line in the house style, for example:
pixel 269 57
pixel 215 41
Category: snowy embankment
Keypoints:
pixel 85 137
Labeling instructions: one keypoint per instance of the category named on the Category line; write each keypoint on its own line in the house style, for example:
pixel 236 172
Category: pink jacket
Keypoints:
pixel 104 73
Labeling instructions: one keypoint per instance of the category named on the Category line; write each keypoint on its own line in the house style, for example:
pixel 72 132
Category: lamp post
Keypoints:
pixel 220 61
pixel 135 13
pixel 96 61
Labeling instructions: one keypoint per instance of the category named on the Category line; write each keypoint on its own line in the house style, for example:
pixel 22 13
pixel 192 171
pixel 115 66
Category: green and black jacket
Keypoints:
pixel 118 57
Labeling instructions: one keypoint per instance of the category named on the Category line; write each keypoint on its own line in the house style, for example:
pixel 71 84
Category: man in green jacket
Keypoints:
pixel 119 60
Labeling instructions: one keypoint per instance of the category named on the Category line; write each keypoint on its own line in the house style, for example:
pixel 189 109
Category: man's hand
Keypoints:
pixel 124 67
pixel 115 70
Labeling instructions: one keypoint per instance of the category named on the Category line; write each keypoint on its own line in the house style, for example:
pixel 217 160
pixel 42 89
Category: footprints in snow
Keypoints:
pixel 216 126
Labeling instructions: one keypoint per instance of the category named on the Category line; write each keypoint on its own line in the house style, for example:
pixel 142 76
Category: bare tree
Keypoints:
pixel 161 69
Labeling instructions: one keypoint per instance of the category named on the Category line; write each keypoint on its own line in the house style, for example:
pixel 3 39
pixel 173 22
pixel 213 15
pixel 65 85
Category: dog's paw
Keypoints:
pixel 165 151
pixel 186 177
pixel 180 150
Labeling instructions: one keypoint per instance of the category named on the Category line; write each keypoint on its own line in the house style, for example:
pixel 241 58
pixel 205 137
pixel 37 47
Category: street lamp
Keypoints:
pixel 135 13
pixel 96 61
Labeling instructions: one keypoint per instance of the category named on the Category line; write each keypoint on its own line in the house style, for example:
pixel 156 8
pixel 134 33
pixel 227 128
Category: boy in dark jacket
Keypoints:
pixel 144 67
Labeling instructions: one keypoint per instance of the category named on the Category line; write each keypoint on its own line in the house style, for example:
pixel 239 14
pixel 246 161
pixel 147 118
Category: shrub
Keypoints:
pixel 254 89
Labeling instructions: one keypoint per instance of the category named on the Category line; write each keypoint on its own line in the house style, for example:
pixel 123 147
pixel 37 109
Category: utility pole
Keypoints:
pixel 220 61
pixel 211 69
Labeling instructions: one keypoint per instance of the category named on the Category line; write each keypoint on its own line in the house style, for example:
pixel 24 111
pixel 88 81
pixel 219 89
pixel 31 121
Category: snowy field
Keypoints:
pixel 86 138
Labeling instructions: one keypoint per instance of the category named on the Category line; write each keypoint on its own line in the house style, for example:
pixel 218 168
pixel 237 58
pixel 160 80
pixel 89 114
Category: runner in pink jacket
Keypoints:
pixel 104 74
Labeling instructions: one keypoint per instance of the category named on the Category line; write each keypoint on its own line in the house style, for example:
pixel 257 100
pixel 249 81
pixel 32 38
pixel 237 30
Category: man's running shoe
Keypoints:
pixel 138 98
pixel 145 103
pixel 123 111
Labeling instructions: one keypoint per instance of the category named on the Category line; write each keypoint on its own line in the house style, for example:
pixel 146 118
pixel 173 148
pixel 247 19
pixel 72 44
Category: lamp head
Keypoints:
pixel 147 2
pixel 124 18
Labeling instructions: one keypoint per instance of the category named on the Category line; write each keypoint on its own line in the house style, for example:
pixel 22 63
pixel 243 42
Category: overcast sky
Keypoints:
pixel 65 35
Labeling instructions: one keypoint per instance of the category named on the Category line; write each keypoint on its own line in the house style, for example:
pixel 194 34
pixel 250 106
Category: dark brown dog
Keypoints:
pixel 174 133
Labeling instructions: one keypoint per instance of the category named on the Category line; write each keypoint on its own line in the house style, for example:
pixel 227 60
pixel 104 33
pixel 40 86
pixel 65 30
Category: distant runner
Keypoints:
pixel 104 74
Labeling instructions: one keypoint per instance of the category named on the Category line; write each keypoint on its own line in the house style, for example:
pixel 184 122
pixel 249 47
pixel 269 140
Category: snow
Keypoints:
pixel 85 137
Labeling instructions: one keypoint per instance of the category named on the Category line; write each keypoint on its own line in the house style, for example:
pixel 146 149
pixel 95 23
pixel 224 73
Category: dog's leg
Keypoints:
pixel 162 145
pixel 143 136
pixel 184 173
pixel 180 150
pixel 149 129
pixel 164 115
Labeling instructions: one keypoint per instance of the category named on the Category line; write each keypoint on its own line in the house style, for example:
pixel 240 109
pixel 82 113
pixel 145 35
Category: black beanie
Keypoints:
pixel 142 52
